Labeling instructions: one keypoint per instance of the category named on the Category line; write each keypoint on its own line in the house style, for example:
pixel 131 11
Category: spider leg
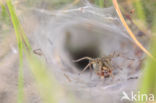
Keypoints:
pixel 90 71
pixel 111 74
pixel 83 59
pixel 112 55
pixel 121 55
pixel 89 64
pixel 127 57
pixel 115 54
pixel 109 65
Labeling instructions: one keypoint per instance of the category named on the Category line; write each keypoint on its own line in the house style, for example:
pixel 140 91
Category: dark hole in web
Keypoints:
pixel 83 53
pixel 76 52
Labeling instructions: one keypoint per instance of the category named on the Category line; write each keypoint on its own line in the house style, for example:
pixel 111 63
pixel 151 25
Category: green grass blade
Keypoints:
pixel 4 14
pixel 101 3
pixel 20 34
pixel 139 10
pixel 148 84
pixel 16 25
pixel 47 85
pixel 20 77
pixel 96 2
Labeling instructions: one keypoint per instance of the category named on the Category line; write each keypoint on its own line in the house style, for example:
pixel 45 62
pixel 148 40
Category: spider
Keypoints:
pixel 102 66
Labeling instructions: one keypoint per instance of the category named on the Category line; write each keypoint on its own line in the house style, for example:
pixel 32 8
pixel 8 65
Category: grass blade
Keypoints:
pixel 47 85
pixel 16 26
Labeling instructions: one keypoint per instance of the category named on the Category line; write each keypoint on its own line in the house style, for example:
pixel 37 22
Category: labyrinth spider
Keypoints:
pixel 102 66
